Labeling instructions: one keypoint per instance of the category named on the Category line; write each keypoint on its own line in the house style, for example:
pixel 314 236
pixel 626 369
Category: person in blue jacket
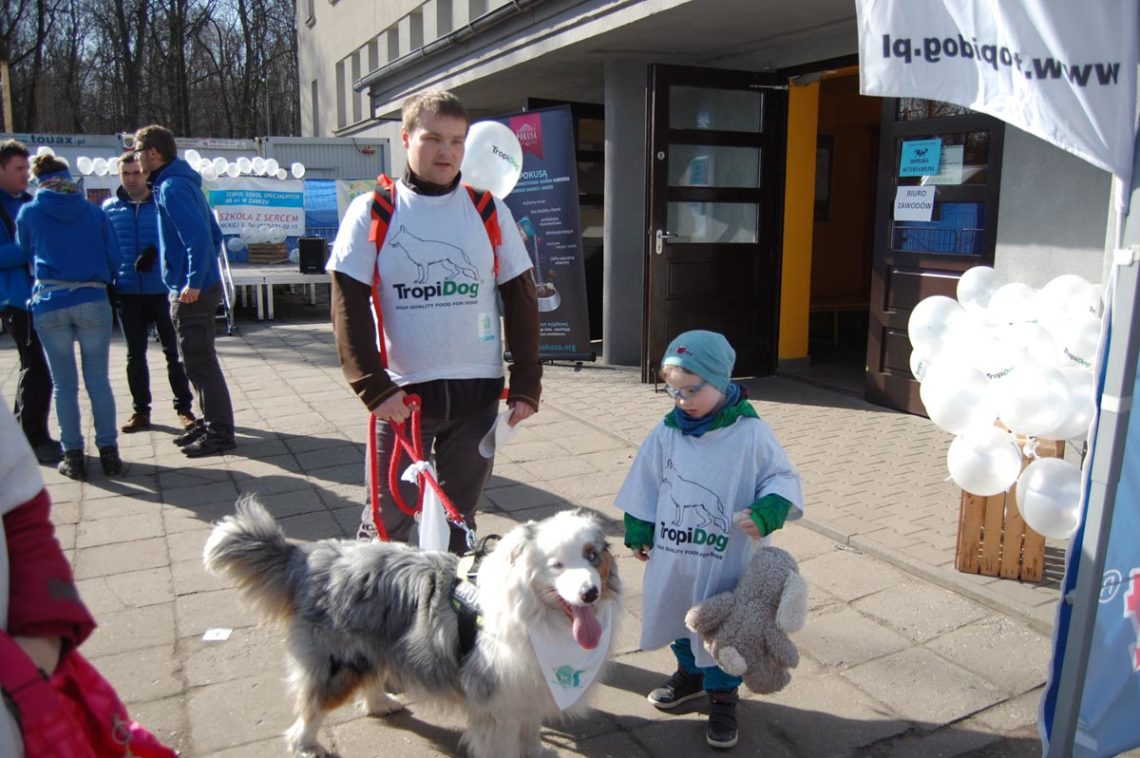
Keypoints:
pixel 141 297
pixel 33 386
pixel 189 242
pixel 74 256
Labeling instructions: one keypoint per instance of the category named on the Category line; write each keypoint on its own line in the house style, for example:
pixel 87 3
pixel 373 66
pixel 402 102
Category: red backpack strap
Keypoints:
pixel 485 204
pixel 383 205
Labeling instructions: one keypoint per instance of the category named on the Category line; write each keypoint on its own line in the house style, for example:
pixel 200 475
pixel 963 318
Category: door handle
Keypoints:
pixel 661 236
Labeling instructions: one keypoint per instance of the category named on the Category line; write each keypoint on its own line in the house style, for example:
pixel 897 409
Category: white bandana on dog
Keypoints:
pixel 568 667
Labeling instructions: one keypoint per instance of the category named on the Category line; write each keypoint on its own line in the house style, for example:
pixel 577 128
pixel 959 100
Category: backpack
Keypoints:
pixel 384 204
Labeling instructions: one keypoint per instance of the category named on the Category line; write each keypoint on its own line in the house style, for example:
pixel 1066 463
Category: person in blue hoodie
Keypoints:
pixel 74 256
pixel 141 297
pixel 189 242
pixel 33 387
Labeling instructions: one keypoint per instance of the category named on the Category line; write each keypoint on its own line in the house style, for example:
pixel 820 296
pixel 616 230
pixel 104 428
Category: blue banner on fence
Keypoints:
pixel 545 206
pixel 1108 721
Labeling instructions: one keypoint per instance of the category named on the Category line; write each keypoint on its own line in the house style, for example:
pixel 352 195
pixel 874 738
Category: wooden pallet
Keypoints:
pixel 993 538
pixel 267 252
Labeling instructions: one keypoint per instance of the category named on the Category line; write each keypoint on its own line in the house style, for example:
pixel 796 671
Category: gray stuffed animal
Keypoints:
pixel 746 630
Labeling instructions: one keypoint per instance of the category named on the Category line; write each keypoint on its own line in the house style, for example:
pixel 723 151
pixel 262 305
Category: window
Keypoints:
pixel 442 18
pixel 373 54
pixel 356 97
pixel 341 107
pixel 393 44
pixel 316 109
pixel 311 17
pixel 415 29
pixel 476 8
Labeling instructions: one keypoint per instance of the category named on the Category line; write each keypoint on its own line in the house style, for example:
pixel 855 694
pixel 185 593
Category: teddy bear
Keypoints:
pixel 746 630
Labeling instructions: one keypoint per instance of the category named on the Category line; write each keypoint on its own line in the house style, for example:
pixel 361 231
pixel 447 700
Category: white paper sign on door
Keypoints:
pixel 914 203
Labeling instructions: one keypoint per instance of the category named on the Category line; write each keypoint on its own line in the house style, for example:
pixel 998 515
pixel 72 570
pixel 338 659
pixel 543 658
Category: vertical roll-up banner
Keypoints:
pixel 544 203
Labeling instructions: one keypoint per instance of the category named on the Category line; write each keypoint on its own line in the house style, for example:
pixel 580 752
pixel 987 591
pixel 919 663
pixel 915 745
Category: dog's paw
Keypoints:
pixel 380 704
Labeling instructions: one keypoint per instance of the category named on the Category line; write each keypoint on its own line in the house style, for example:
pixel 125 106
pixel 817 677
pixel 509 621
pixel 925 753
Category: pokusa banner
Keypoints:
pixel 244 203
pixel 1061 70
pixel 544 203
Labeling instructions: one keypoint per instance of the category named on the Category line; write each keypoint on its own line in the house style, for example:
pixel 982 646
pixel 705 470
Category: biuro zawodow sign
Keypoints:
pixel 544 203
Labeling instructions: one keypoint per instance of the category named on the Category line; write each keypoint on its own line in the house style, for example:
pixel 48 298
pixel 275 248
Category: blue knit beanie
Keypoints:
pixel 706 354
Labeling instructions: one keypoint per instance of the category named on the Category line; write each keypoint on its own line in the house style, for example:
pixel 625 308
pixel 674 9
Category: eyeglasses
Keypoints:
pixel 685 393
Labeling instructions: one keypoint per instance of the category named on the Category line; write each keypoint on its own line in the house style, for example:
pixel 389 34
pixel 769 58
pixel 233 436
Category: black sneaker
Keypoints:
pixel 73 465
pixel 722 732
pixel 193 434
pixel 208 444
pixel 681 686
pixel 49 453
pixel 110 460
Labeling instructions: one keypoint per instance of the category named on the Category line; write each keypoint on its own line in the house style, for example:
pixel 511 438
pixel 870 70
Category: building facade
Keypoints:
pixel 733 176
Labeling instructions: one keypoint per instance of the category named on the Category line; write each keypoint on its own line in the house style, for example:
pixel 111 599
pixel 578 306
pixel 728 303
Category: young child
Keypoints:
pixel 708 482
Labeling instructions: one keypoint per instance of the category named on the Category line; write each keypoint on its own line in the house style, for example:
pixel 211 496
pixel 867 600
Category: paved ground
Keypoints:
pixel 902 655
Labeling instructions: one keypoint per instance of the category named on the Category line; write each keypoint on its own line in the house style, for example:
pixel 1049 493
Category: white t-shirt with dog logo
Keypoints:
pixel 438 290
pixel 689 488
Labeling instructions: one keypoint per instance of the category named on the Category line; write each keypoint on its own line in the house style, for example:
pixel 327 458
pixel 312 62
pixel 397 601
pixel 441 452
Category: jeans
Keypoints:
pixel 137 313
pixel 457 413
pixel 89 324
pixel 33 387
pixel 195 325
pixel 715 678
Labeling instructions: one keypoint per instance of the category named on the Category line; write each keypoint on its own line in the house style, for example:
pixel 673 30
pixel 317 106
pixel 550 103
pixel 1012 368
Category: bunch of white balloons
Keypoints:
pixel 255 235
pixel 1007 352
pixel 216 168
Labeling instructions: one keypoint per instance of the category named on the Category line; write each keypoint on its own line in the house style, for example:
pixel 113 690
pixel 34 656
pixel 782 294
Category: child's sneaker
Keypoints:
pixel 722 720
pixel 681 686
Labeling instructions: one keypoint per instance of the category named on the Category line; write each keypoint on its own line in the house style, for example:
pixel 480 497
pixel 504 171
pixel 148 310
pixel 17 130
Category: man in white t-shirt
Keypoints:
pixel 442 292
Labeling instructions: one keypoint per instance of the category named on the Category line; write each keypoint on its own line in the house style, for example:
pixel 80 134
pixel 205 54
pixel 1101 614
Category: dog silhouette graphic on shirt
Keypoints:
pixel 428 253
pixel 693 501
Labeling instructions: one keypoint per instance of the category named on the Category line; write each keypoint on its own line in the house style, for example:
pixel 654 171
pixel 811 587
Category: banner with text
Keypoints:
pixel 545 206
pixel 254 202
pixel 1063 71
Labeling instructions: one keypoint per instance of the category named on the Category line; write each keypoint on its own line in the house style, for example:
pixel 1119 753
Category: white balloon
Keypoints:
pixel 235 243
pixel 193 157
pixel 1079 339
pixel 930 320
pixel 245 165
pixel 44 150
pixel 977 286
pixel 993 356
pixel 209 173
pixel 203 164
pixel 271 165
pixel 957 398
pixel 232 170
pixel 84 164
pixel 919 363
pixel 113 166
pixel 493 158
pixel 1037 345
pixel 1012 303
pixel 276 235
pixel 99 166
pixel 298 170
pixel 280 173
pixel 248 234
pixel 985 461
pixel 259 165
pixel 1033 400
pixel 220 165
pixel 1082 405
pixel 1049 497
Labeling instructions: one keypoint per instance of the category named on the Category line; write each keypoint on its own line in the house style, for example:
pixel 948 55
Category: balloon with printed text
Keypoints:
pixel 493 158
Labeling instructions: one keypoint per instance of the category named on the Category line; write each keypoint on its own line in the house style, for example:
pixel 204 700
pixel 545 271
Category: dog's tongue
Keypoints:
pixel 587 631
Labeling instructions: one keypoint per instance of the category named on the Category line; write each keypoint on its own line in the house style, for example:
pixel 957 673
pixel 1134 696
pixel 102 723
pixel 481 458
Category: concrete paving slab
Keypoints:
pixel 919 611
pixel 844 638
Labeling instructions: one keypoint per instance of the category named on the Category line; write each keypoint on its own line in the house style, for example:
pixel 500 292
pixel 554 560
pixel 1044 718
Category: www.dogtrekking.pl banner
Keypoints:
pixel 1061 70
pixel 255 202
pixel 545 206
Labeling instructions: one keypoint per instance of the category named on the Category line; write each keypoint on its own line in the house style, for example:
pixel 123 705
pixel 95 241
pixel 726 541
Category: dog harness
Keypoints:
pixel 465 594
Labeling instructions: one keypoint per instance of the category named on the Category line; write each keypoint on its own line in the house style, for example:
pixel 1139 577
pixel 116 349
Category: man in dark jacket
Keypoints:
pixel 189 240
pixel 34 387
pixel 142 298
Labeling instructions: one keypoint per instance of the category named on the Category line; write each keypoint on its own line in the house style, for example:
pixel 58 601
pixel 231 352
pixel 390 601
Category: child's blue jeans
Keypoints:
pixel 715 679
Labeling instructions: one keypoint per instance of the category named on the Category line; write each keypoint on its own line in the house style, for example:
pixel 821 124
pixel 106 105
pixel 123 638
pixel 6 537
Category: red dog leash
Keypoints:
pixel 413 447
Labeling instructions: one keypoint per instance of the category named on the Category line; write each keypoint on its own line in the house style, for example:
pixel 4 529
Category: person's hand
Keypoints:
pixel 44 651
pixel 519 412
pixel 188 295
pixel 642 553
pixel 744 520
pixel 394 408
